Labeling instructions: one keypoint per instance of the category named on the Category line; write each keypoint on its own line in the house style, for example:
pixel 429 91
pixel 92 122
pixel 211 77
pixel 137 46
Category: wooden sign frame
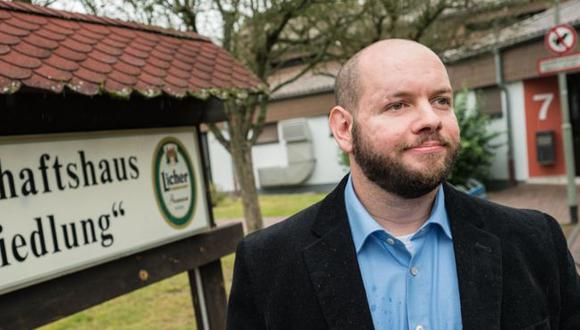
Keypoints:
pixel 33 112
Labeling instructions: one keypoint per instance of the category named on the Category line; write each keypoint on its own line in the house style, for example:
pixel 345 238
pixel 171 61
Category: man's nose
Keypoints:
pixel 427 119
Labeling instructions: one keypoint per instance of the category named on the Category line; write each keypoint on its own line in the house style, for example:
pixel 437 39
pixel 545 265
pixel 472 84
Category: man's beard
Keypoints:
pixel 393 176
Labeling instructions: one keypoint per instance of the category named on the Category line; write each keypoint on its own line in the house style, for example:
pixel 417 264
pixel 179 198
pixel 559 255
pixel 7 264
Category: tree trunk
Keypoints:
pixel 246 179
pixel 241 152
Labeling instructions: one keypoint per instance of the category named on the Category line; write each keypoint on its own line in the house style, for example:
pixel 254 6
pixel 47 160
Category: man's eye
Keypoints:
pixel 443 101
pixel 396 106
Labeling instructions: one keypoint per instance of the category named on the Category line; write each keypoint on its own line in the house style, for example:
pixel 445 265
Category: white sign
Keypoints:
pixel 561 39
pixel 72 201
pixel 550 65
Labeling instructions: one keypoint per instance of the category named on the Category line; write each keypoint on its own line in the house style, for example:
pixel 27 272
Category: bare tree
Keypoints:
pixel 269 35
pixel 266 36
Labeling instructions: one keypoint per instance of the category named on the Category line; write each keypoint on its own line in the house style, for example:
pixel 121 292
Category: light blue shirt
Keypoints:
pixel 414 289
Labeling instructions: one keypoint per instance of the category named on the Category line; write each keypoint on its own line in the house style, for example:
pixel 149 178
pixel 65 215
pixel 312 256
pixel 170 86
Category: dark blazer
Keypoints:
pixel 513 268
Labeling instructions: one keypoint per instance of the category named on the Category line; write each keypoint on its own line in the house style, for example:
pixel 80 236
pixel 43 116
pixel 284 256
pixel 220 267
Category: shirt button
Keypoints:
pixel 419 327
pixel 390 241
pixel 414 272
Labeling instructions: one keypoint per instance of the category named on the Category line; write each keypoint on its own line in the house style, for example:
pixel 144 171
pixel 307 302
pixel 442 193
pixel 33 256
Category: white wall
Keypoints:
pixel 326 152
pixel 518 116
pixel 500 168
pixel 268 155
pixel 326 171
pixel 221 164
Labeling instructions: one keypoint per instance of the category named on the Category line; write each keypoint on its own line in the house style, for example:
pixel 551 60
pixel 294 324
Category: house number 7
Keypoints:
pixel 546 101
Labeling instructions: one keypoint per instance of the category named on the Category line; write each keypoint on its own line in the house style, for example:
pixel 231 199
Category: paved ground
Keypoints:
pixel 547 198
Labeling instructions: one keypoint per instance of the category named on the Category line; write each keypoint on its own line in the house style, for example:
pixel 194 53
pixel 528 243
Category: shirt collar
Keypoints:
pixel 363 225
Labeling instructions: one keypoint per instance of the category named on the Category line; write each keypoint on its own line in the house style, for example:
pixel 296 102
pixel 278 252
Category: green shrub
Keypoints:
pixel 343 160
pixel 477 150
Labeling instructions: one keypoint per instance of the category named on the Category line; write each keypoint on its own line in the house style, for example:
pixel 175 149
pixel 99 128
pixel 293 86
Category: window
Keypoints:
pixel 489 100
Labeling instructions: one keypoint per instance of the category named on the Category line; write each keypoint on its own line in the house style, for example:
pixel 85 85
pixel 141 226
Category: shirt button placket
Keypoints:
pixel 414 273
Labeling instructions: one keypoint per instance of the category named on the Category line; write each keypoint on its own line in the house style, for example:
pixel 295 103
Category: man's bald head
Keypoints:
pixel 348 85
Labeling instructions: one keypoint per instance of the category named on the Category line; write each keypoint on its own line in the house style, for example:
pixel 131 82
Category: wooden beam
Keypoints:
pixel 43 114
pixel 51 300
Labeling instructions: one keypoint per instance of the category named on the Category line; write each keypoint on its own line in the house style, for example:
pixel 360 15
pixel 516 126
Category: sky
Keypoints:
pixel 208 20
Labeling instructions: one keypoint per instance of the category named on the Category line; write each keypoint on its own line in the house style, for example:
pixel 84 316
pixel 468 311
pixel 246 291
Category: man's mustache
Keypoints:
pixel 424 139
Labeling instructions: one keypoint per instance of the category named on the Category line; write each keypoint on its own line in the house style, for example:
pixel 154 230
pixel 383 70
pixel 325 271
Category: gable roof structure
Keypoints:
pixel 315 81
pixel 50 50
pixel 527 29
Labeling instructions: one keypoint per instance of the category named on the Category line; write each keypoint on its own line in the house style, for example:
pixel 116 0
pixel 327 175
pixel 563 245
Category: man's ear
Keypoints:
pixel 340 121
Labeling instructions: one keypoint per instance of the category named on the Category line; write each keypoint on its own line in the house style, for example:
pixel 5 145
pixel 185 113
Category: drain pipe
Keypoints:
pixel 567 136
pixel 501 84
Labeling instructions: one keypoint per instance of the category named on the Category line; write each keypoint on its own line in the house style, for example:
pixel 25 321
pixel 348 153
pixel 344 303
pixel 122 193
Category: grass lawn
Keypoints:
pixel 167 304
pixel 163 305
pixel 271 205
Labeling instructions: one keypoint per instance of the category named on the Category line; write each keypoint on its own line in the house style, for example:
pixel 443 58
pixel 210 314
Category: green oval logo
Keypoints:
pixel 174 182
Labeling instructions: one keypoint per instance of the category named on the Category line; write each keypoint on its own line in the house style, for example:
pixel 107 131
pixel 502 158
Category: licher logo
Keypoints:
pixel 174 182
pixel 171 155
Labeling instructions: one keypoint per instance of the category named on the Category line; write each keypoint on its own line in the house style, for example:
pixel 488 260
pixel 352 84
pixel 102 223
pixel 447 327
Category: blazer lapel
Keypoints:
pixel 335 275
pixel 333 267
pixel 478 260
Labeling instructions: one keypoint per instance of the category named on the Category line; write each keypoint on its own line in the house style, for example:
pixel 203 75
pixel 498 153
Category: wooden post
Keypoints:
pixel 209 296
pixel 49 301
pixel 207 281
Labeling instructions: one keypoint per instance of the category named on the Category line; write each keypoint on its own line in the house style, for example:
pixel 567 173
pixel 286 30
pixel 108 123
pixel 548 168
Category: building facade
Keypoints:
pixel 501 69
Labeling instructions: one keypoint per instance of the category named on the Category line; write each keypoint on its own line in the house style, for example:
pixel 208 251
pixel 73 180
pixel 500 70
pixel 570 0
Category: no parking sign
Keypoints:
pixel 560 39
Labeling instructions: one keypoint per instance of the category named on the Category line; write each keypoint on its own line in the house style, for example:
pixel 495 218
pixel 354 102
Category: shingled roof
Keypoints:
pixel 528 29
pixel 49 50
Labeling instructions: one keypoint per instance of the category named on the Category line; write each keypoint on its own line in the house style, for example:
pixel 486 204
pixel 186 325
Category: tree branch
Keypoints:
pixel 272 37
pixel 263 55
pixel 427 18
pixel 90 6
pixel 259 126
pixel 300 73
pixel 250 110
pixel 219 136
pixel 187 13
pixel 315 61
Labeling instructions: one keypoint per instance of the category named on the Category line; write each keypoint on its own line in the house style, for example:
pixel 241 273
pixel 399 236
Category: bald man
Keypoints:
pixel 394 246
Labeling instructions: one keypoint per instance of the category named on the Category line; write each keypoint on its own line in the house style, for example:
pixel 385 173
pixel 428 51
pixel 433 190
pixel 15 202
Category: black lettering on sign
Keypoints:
pixel 52 174
pixel 49 237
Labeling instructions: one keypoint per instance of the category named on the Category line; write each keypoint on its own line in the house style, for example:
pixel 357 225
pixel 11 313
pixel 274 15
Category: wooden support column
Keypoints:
pixel 209 296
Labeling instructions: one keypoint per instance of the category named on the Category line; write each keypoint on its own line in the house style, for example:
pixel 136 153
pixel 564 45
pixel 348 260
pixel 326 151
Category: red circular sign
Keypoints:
pixel 560 39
